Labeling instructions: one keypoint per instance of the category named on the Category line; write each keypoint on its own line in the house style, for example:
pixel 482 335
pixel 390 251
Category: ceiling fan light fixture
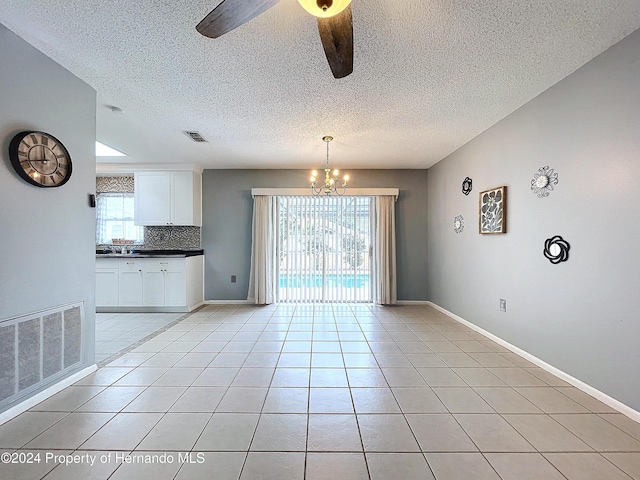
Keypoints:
pixel 324 8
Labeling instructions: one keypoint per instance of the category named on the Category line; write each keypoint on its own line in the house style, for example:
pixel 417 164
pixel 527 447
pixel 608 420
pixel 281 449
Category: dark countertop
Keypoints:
pixel 151 254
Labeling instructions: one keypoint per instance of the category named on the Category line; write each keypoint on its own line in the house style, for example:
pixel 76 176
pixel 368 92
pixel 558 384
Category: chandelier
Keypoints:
pixel 330 178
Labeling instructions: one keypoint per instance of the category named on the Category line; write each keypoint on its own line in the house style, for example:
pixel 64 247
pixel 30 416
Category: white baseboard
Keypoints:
pixel 247 302
pixel 586 388
pixel 228 302
pixel 43 395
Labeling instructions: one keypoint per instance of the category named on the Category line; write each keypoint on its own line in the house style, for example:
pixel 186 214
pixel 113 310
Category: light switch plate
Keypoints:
pixel 503 305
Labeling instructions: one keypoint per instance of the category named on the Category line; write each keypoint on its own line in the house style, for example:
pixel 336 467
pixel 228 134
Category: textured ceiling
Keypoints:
pixel 428 75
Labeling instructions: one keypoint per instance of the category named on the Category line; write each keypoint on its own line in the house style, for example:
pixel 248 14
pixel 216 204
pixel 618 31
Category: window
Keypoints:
pixel 324 249
pixel 114 218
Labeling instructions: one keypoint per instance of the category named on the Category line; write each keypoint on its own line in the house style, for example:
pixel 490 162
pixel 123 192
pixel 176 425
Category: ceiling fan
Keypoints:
pixel 334 24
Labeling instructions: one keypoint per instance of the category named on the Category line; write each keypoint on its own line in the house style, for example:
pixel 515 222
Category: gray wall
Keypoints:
pixel 582 316
pixel 227 209
pixel 47 235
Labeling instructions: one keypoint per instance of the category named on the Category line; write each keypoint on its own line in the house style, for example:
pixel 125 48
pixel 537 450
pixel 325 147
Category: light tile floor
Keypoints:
pixel 116 332
pixel 321 392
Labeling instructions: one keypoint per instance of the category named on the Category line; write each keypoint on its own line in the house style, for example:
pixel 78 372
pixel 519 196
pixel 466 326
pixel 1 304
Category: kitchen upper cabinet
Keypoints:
pixel 186 198
pixel 168 198
pixel 152 198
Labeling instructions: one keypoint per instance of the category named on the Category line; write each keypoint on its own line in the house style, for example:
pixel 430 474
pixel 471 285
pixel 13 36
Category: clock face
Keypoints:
pixel 40 159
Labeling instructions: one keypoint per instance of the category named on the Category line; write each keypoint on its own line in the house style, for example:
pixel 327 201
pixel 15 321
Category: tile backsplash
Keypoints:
pixel 168 238
pixel 155 238
pixel 114 184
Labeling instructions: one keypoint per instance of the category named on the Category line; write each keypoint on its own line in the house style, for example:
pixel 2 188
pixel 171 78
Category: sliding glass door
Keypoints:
pixel 324 249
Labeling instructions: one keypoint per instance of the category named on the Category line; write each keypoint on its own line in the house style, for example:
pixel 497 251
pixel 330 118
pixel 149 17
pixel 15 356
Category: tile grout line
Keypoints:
pixel 353 404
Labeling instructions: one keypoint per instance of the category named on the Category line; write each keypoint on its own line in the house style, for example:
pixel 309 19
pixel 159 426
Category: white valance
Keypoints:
pixel 368 192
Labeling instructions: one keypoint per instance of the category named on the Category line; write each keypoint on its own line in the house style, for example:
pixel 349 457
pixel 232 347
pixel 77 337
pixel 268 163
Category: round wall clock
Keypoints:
pixel 40 159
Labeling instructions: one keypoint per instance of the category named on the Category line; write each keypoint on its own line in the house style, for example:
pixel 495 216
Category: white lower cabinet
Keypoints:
pixel 164 282
pixel 175 285
pixel 155 284
pixel 130 282
pixel 107 283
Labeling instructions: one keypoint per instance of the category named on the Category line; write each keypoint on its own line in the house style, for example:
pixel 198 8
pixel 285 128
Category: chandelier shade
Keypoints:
pixel 324 8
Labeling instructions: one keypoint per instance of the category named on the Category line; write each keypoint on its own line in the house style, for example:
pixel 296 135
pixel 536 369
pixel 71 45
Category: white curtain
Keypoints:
pixel 115 218
pixel 385 250
pixel 263 275
pixel 101 215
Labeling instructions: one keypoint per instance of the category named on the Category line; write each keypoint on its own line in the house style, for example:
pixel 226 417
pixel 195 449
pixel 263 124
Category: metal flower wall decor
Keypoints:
pixel 467 184
pixel 493 210
pixel 543 181
pixel 556 249
pixel 458 224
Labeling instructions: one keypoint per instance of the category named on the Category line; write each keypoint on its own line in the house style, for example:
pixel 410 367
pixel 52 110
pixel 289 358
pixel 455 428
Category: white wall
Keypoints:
pixel 47 235
pixel 582 316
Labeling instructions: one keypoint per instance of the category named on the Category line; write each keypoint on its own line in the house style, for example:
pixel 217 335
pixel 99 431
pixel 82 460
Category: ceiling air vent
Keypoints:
pixel 195 136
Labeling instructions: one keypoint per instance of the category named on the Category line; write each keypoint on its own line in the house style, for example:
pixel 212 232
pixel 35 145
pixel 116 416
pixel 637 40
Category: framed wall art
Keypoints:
pixel 493 211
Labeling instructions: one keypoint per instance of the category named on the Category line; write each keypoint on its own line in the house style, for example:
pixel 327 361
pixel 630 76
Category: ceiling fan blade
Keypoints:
pixel 230 14
pixel 336 34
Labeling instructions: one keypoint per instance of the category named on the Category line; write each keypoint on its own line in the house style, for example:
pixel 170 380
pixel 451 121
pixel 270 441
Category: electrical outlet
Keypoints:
pixel 233 279
pixel 503 305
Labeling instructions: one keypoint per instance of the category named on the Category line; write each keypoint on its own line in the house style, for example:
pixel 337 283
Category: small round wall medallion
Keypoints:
pixel 467 184
pixel 458 224
pixel 543 181
pixel 556 249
